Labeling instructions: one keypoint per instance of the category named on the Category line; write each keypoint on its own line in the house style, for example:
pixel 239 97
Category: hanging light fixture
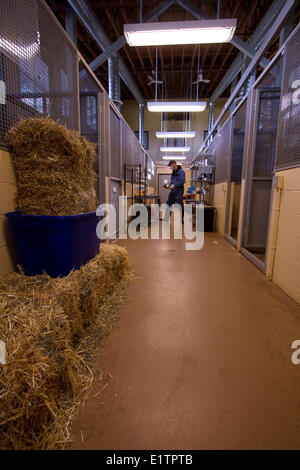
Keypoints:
pixel 174 149
pixel 180 32
pixel 175 135
pixel 176 106
pixel 174 158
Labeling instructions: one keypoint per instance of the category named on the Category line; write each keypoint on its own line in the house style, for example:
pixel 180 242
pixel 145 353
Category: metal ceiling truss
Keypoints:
pixel 119 43
pixel 254 42
pixel 275 27
pixel 90 21
pixel 247 49
pixel 235 41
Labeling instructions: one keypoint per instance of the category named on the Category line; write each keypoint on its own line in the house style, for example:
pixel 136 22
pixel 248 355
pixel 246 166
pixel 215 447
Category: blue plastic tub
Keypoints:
pixel 54 244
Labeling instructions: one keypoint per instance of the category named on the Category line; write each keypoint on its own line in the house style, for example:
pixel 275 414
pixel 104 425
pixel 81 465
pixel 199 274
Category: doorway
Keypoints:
pixel 162 192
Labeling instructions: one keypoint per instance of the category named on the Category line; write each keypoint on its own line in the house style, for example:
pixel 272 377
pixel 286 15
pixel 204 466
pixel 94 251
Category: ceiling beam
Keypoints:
pixel 237 42
pixel 125 19
pixel 249 15
pixel 254 41
pixel 119 43
pixel 90 21
pixel 265 43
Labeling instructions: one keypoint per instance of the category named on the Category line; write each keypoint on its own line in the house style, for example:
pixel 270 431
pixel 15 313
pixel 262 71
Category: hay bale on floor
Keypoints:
pixel 50 326
pixel 54 168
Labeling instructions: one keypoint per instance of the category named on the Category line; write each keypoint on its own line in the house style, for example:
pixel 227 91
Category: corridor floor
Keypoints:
pixel 200 358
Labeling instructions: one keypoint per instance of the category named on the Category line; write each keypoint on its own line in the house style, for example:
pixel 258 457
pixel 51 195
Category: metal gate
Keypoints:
pixel 264 112
pixel 234 182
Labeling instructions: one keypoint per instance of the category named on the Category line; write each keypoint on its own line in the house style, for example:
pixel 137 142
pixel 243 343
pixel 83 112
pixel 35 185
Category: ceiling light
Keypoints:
pixel 180 32
pixel 175 135
pixel 174 158
pixel 174 149
pixel 176 106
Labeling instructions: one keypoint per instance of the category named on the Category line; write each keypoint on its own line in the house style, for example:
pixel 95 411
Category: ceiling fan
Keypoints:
pixel 152 79
pixel 200 78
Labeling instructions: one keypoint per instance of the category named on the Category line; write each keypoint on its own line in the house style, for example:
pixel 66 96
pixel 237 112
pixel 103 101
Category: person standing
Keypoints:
pixel 176 187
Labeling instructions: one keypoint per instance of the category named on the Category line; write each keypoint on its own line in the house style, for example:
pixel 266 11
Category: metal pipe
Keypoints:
pixel 211 115
pixel 114 89
pixel 287 28
pixel 141 123
pixel 70 21
pixel 218 9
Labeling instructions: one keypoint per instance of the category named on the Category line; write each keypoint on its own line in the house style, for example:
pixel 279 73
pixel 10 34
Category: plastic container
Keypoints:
pixel 54 244
pixel 209 216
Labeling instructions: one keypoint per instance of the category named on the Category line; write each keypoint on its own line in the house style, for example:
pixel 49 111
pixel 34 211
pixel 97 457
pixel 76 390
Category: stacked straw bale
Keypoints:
pixel 50 326
pixel 53 167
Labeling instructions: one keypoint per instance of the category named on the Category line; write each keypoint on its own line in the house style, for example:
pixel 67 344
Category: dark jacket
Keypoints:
pixel 178 177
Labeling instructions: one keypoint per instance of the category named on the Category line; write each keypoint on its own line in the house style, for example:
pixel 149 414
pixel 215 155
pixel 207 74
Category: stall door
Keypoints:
pixel 163 193
pixel 235 174
pixel 261 175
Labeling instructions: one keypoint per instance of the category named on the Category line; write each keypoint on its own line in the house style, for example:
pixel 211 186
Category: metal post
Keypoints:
pixel 218 9
pixel 114 88
pixel 232 87
pixel 141 124
pixel 70 21
pixel 211 115
pixel 287 28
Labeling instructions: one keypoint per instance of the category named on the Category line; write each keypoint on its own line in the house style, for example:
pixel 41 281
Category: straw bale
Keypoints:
pixel 51 328
pixel 54 168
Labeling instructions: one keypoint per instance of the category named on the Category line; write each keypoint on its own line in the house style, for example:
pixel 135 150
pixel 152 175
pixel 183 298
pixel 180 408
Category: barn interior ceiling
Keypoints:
pixel 177 65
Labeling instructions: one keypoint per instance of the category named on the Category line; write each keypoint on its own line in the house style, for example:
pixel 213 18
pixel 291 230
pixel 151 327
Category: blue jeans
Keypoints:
pixel 175 197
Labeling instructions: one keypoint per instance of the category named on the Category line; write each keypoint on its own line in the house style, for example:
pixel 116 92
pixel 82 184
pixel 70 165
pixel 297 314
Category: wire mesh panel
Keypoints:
pixel 221 152
pixel 142 159
pixel 127 141
pixel 266 133
pixel 38 66
pixel 288 137
pixel 150 171
pixel 91 120
pixel 239 122
pixel 115 144
pixel 89 95
pixel 136 147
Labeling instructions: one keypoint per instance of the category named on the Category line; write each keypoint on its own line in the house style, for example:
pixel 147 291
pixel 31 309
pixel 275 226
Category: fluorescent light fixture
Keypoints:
pixel 180 32
pixel 175 135
pixel 174 149
pixel 174 158
pixel 176 106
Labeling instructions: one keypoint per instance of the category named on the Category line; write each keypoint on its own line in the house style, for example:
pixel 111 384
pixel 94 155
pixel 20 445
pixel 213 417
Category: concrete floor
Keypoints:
pixel 200 359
